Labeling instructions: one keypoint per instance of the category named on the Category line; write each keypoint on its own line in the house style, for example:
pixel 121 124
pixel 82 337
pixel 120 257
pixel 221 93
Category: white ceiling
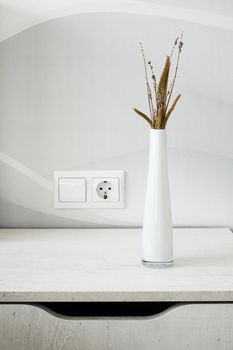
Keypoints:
pixel 17 15
pixel 221 7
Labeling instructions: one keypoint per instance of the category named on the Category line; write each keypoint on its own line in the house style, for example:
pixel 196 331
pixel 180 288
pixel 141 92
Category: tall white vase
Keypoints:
pixel 157 241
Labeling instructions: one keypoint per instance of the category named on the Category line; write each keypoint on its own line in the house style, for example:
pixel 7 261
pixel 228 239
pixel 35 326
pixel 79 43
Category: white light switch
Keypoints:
pixel 72 189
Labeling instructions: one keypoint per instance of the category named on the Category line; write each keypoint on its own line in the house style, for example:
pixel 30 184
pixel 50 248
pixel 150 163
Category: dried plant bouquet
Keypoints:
pixel 159 95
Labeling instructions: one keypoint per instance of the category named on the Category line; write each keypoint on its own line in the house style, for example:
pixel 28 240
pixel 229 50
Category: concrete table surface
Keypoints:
pixel 39 265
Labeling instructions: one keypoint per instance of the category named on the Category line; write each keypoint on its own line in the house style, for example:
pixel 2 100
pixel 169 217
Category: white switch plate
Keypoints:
pixel 72 189
pixel 69 191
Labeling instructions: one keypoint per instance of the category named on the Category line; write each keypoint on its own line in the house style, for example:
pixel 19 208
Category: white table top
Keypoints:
pixel 105 265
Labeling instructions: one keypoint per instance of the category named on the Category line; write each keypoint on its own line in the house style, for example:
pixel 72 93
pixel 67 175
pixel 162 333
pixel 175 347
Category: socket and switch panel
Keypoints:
pixel 89 189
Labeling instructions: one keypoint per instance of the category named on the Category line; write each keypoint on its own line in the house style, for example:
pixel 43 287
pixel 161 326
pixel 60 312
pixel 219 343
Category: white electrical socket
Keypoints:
pixel 89 189
pixel 105 189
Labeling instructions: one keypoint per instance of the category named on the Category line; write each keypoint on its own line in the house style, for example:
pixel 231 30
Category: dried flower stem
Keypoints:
pixel 176 70
pixel 159 118
pixel 171 109
pixel 154 80
pixel 143 116
pixel 173 47
pixel 149 95
pixel 161 93
pixel 160 114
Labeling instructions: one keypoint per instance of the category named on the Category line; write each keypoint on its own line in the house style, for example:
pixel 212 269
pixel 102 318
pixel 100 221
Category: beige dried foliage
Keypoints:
pixel 160 114
pixel 171 109
pixel 144 116
pixel 163 82
pixel 159 120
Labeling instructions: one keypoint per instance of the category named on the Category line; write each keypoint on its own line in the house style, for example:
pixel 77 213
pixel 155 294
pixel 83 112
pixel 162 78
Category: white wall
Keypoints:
pixel 67 90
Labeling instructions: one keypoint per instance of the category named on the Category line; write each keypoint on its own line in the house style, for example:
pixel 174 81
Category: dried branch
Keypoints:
pixel 154 80
pixel 163 81
pixel 160 114
pixel 173 47
pixel 144 116
pixel 171 109
pixel 149 95
pixel 180 45
pixel 162 89
pixel 159 118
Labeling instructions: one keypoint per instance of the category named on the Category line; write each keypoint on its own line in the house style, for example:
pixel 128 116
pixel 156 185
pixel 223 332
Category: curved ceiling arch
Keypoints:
pixel 19 19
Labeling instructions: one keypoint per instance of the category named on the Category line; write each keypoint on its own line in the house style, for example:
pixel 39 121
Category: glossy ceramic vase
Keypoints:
pixel 157 240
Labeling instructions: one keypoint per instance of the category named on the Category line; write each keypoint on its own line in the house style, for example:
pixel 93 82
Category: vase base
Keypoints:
pixel 157 264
